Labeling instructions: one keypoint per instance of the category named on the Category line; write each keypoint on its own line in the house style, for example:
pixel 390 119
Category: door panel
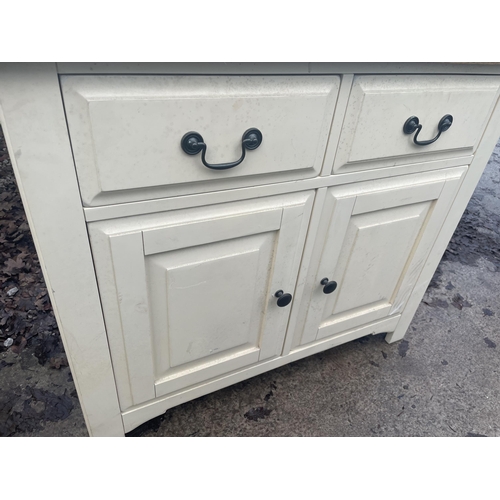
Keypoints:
pixel 189 295
pixel 200 232
pixel 372 239
pixel 196 290
pixel 376 244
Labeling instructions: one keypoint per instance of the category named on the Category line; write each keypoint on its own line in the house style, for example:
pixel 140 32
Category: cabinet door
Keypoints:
pixel 372 240
pixel 189 295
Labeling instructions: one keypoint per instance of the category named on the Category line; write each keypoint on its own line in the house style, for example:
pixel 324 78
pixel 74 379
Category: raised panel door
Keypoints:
pixel 190 295
pixel 372 240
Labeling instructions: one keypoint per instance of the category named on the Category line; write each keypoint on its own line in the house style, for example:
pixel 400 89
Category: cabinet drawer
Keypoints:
pixel 372 135
pixel 126 132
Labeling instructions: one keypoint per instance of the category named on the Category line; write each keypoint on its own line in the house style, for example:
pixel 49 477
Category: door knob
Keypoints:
pixel 329 286
pixel 283 298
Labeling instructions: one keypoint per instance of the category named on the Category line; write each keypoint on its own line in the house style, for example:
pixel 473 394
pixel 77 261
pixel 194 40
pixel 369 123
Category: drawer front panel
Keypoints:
pixel 372 136
pixel 187 297
pixel 126 131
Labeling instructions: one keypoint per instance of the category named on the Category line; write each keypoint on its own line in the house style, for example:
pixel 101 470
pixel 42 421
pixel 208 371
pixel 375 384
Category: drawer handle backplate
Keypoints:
pixel 192 143
pixel 413 124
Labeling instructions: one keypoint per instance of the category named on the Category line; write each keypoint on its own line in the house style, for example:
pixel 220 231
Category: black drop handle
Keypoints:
pixel 329 286
pixel 192 143
pixel 413 124
pixel 283 298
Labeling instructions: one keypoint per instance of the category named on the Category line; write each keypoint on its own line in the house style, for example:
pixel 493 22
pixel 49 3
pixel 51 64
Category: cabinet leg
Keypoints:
pixel 409 312
pixel 396 335
pixel 416 297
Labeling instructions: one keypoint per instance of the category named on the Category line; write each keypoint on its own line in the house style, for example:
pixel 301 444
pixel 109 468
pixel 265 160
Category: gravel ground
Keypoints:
pixel 441 380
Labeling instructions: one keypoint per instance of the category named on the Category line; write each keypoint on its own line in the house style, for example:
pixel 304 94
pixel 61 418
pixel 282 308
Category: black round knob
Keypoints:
pixel 283 298
pixel 329 286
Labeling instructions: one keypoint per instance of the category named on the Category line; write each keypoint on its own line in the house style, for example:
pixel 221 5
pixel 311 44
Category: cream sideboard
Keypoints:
pixel 199 224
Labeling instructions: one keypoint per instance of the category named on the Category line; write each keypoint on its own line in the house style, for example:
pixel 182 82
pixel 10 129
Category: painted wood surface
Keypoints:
pixel 470 181
pixel 138 415
pixel 273 68
pixel 126 131
pixel 337 123
pixel 188 262
pixel 33 121
pixel 372 133
pixel 372 240
pixel 116 211
pixel 189 295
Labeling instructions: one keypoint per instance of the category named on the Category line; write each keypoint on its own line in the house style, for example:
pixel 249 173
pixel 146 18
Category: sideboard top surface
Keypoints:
pixel 277 68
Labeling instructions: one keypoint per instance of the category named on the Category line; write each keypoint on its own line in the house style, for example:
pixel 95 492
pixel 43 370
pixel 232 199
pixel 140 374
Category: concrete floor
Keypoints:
pixel 441 380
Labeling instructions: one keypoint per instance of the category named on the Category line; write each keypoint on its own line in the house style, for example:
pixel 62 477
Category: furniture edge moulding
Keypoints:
pixel 277 68
pixel 346 82
pixel 118 210
pixel 32 117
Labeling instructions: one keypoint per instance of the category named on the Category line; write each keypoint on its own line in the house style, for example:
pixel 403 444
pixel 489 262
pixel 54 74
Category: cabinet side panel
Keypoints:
pixel 460 202
pixel 32 117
